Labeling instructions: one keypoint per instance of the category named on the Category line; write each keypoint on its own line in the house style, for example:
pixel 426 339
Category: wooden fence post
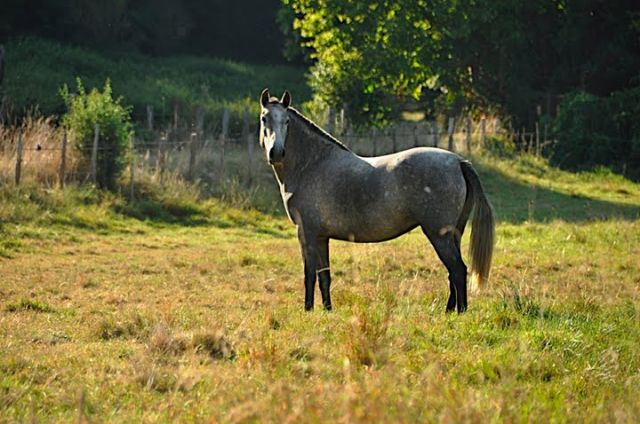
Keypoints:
pixel 2 97
pixel 63 159
pixel 537 139
pixel 192 157
pixel 19 149
pixel 2 55
pixel 176 117
pixel 246 136
pixel 450 146
pixel 331 120
pixel 150 118
pixel 468 129
pixel 436 136
pixel 374 138
pixel 223 141
pixel 132 192
pixel 94 154
pixel 161 159
pixel 394 141
pixel 200 122
pixel 483 131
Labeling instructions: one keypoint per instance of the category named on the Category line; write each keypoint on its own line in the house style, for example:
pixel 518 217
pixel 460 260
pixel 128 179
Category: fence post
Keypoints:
pixel 175 117
pixel 19 148
pixel 483 130
pixel 150 118
pixel 331 120
pixel 436 136
pixel 192 157
pixel 374 138
pixel 161 160
pixel 537 139
pixel 394 141
pixel 199 122
pixel 246 136
pixel 2 55
pixel 63 158
pixel 94 154
pixel 468 129
pixel 450 146
pixel 223 141
pixel 132 146
pixel 2 98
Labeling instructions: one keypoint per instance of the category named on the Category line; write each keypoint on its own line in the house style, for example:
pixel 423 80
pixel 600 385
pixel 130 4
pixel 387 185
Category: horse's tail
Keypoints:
pixel 483 227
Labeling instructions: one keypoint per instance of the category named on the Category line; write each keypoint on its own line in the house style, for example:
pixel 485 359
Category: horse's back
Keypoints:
pixel 428 181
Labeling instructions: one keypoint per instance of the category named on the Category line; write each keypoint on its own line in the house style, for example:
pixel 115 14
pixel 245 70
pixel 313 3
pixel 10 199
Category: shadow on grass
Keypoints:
pixel 195 215
pixel 516 202
pixel 156 211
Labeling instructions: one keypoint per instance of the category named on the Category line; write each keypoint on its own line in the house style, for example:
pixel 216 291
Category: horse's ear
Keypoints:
pixel 264 97
pixel 286 99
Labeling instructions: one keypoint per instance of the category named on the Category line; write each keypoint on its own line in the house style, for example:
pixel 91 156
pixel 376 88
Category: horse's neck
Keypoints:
pixel 304 151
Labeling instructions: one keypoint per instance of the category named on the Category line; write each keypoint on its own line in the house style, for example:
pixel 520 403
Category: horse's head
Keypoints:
pixel 274 124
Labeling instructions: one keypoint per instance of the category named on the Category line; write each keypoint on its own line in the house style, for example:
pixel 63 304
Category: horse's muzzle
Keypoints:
pixel 276 156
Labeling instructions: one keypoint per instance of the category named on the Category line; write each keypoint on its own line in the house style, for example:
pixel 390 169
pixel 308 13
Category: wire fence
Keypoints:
pixel 216 157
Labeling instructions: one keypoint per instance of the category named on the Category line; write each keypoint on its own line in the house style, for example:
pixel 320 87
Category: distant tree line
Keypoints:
pixel 244 30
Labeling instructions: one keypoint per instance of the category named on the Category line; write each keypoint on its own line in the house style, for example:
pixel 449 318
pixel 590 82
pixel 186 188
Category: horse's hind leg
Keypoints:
pixel 324 273
pixel 447 247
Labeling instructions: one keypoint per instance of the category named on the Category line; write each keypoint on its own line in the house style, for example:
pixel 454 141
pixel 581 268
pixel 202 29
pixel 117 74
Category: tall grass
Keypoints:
pixel 42 148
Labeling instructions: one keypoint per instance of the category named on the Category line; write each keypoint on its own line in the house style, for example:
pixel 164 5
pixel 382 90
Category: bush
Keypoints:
pixel 501 146
pixel 593 131
pixel 95 107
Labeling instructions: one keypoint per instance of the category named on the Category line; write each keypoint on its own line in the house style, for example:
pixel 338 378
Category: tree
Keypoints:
pixel 510 54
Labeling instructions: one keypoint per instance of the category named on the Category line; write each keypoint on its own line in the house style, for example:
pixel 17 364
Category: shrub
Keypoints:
pixel 594 131
pixel 500 146
pixel 85 110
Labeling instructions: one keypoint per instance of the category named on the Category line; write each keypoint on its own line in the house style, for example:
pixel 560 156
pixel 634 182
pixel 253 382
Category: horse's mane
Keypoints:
pixel 315 129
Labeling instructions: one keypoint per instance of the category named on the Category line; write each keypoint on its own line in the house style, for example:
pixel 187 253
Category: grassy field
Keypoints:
pixel 195 313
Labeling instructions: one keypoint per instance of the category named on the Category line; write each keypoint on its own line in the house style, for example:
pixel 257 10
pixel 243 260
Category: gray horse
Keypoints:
pixel 329 192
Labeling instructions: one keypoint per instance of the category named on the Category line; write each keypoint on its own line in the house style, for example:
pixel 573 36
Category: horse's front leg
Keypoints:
pixel 324 273
pixel 310 258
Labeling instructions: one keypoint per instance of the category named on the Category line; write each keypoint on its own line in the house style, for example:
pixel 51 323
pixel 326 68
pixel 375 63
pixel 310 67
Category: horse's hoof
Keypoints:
pixel 308 308
pixel 328 307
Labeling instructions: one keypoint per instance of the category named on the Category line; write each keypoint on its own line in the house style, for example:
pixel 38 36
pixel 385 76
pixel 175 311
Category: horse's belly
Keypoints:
pixel 369 225
pixel 369 236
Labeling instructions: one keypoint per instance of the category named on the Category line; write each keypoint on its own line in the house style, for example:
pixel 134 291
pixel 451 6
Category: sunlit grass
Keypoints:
pixel 120 319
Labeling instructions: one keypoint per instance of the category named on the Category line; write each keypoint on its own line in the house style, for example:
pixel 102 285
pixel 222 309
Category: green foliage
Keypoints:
pixel 594 130
pixel 37 68
pixel 500 146
pixel 514 54
pixel 88 109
